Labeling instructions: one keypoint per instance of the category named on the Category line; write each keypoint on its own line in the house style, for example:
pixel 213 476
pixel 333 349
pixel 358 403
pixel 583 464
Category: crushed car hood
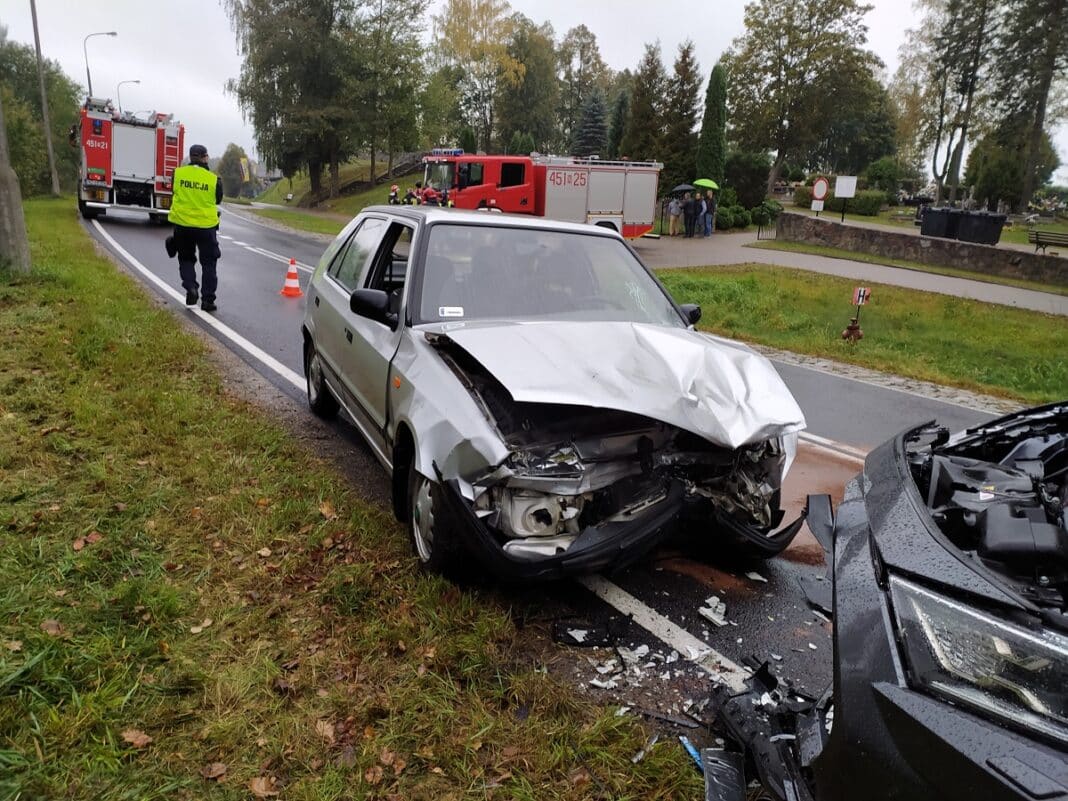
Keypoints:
pixel 712 387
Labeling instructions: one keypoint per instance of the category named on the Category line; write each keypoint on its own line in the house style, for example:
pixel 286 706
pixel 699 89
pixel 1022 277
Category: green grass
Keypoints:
pixel 868 258
pixel 240 201
pixel 1018 233
pixel 299 185
pixel 376 195
pixel 303 220
pixel 328 651
pixel 994 349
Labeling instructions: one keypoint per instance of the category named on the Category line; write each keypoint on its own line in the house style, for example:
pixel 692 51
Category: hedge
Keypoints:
pixel 867 202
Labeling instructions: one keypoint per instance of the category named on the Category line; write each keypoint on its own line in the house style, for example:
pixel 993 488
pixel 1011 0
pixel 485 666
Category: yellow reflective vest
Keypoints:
pixel 193 204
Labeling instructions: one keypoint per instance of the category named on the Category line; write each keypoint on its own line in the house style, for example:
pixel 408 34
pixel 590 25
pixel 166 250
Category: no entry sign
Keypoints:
pixel 820 189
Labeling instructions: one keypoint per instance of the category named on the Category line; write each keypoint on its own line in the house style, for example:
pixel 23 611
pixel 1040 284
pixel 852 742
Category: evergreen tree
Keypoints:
pixel 528 103
pixel 643 134
pixel 712 144
pixel 618 123
pixel 581 68
pixel 591 135
pixel 679 149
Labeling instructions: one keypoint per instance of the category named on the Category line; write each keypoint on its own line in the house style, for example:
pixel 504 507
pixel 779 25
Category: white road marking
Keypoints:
pixel 689 647
pixel 224 236
pixel 279 257
pixel 255 352
pixel 693 649
pixel 242 244
pixel 838 448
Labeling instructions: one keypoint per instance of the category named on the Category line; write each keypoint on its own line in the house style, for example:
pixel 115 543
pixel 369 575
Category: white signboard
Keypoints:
pixel 817 205
pixel 845 186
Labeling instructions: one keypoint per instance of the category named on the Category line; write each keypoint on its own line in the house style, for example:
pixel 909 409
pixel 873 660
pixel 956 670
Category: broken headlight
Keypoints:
pixel 985 663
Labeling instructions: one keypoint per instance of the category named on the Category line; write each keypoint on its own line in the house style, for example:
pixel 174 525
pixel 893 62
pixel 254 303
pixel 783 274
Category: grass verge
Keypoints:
pixel 303 220
pixel 868 258
pixel 994 349
pixel 300 184
pixel 191 606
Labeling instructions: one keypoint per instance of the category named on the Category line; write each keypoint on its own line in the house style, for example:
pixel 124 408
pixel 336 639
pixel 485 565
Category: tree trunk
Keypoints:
pixel 315 177
pixel 335 176
pixel 14 246
pixel 1034 139
pixel 371 176
pixel 776 170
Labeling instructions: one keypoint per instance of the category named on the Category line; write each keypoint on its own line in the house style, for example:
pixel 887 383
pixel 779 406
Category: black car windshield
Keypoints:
pixel 484 272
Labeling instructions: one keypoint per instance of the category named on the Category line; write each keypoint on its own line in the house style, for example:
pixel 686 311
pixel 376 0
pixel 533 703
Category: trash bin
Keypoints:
pixel 981 227
pixel 953 218
pixel 933 222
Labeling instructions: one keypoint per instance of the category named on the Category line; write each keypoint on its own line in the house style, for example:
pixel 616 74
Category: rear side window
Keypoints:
pixel 512 173
pixel 348 266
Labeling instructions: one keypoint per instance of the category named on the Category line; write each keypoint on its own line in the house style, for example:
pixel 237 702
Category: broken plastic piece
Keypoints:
pixel 581 633
pixel 724 775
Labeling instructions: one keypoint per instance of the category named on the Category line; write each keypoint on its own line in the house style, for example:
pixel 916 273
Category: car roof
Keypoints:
pixel 435 214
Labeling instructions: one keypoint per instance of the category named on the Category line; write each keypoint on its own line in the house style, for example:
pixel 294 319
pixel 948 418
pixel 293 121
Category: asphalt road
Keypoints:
pixel 767 614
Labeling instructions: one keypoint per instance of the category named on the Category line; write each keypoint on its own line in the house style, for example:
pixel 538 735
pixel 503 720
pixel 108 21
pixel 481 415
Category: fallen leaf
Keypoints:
pixel 263 786
pixel 325 729
pixel 326 509
pixel 78 544
pixel 13 645
pixel 136 738
pixel 347 758
pixel 401 646
pixel 59 593
pixel 316 763
pixel 264 552
pixel 206 623
pixel 305 529
pixel 216 770
pixel 119 507
pixel 387 756
pixel 437 770
pixel 373 775
pixel 52 627
pixel 430 652
pixel 510 752
pixel 580 777
pixel 282 687
pixel 398 766
pixel 94 537
pixel 263 502
pixel 368 732
pixel 499 780
pixel 261 742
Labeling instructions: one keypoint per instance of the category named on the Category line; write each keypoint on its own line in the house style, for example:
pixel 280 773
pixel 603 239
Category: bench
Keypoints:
pixel 1041 239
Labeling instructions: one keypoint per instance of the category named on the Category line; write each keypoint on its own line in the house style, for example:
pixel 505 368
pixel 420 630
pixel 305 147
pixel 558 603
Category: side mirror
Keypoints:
pixel 692 312
pixel 374 305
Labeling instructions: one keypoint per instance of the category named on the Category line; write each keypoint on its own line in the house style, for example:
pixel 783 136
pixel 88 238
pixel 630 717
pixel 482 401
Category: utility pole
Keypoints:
pixel 44 102
pixel 14 247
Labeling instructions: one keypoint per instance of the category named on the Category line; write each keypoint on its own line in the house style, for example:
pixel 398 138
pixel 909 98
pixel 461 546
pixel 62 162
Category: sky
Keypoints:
pixel 184 52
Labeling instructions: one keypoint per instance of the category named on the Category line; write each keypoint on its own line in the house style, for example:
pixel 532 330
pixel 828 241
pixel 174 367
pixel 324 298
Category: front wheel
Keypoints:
pixel 320 399
pixel 431 528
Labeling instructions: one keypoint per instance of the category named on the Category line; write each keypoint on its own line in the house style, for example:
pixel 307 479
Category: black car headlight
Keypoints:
pixel 990 665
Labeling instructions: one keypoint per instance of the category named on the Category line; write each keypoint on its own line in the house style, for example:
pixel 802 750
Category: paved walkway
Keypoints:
pixel 723 248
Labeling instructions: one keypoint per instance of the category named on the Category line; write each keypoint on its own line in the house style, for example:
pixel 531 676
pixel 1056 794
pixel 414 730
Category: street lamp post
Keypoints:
pixel 85 50
pixel 118 93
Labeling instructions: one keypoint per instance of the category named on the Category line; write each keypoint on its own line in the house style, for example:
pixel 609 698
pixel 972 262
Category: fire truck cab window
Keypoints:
pixel 470 174
pixel 512 174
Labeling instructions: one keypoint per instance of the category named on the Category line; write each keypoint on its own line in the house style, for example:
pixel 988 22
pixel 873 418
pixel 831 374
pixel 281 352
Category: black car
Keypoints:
pixel 949 564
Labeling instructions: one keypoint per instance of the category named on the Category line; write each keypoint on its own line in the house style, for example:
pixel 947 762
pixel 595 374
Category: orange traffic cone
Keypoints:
pixel 292 285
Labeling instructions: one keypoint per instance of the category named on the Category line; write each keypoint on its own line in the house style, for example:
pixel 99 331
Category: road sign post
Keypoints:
pixel 852 332
pixel 845 187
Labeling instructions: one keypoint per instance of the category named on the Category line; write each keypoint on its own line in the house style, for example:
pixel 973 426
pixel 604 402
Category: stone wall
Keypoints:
pixel 990 259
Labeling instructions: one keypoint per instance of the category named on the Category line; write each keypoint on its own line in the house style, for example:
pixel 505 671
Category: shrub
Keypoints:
pixel 724 219
pixel 773 207
pixel 741 217
pixel 747 174
pixel 884 174
pixel 796 174
pixel 867 202
pixel 803 196
pixel 760 216
pixel 728 197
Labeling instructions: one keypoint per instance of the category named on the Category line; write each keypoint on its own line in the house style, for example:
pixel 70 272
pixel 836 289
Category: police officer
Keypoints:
pixel 194 213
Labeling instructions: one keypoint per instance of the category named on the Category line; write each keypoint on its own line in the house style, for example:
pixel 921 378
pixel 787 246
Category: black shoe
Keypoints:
pixel 208 305
pixel 191 297
pixel 172 249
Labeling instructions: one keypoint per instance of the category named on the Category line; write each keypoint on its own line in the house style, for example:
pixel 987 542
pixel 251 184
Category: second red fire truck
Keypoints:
pixel 617 194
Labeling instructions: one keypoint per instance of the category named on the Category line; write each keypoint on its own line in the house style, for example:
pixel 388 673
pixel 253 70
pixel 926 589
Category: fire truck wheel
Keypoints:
pixel 86 212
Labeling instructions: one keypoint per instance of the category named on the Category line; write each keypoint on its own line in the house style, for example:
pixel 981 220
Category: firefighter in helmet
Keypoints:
pixel 394 195
pixel 195 215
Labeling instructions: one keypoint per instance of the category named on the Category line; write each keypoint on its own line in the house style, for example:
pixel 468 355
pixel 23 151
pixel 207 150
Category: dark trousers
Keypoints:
pixel 691 222
pixel 191 243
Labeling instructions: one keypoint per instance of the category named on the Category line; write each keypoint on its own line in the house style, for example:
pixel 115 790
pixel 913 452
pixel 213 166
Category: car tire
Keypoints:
pixel 431 529
pixel 320 399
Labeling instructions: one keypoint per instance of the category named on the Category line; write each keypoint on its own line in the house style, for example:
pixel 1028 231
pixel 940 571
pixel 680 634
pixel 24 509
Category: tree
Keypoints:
pixel 861 130
pixel 787 71
pixel 996 165
pixel 591 135
pixel 14 245
pixel 644 131
pixel 440 115
pixel 292 86
pixel 1033 58
pixel 618 122
pixel 747 174
pixel 712 143
pixel 18 72
pixel 528 105
pixel 581 69
pixel 679 148
pixel 231 170
pixel 473 35
pixel 468 140
pixel 885 174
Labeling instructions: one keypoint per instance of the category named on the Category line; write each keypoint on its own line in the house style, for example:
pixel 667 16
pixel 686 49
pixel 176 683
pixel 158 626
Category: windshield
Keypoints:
pixel 439 175
pixel 475 272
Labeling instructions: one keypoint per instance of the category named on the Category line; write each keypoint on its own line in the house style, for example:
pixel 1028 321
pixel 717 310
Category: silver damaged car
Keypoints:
pixel 543 405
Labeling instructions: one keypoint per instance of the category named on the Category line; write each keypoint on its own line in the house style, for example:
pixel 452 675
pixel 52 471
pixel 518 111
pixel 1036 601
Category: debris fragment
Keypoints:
pixel 645 749
pixel 811 646
pixel 693 752
pixel 604 684
pixel 752 575
pixel 581 633
pixel 714 611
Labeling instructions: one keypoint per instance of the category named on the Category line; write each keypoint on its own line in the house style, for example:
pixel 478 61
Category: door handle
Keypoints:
pixel 348 335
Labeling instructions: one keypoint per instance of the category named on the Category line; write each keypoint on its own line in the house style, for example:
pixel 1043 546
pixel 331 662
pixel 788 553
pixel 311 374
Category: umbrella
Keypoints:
pixel 706 183
pixel 683 188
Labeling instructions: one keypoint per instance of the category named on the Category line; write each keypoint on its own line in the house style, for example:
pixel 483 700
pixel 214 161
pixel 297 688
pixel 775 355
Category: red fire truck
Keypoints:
pixel 127 162
pixel 616 194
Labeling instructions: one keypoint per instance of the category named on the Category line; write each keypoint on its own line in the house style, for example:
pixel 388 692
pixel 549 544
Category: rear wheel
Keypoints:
pixel 320 399
pixel 431 528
